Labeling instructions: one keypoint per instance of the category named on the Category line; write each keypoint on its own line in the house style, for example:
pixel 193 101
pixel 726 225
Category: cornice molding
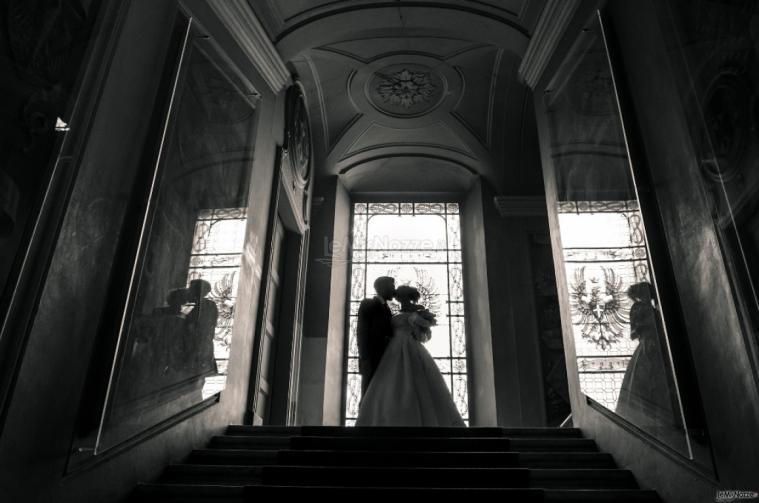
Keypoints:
pixel 520 206
pixel 242 23
pixel 550 28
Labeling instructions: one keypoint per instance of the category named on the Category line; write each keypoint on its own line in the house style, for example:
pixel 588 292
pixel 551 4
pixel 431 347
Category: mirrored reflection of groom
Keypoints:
pixel 374 329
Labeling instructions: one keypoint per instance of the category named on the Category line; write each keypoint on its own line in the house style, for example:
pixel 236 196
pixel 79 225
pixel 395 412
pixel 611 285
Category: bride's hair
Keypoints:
pixel 407 293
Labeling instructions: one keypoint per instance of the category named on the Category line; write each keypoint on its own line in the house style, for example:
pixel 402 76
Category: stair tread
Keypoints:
pixel 550 494
pixel 408 443
pixel 243 430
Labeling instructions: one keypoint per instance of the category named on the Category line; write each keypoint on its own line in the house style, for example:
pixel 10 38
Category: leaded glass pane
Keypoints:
pixel 406 256
pixel 353 343
pixel 456 286
pixel 458 338
pixel 359 232
pixel 358 275
pixel 457 308
pixel 383 208
pixel 430 208
pixel 353 396
pixel 359 208
pixel 454 232
pixel 452 208
pixel 353 365
pixel 459 365
pixel 444 364
pixel 461 394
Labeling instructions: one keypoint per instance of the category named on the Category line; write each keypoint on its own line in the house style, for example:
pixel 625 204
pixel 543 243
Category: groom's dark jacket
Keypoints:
pixel 373 332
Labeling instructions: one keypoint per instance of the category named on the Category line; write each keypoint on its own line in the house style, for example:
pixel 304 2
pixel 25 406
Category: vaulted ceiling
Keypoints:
pixel 413 95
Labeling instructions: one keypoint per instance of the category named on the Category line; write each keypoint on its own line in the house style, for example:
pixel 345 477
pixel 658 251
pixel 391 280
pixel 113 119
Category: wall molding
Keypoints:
pixel 550 28
pixel 242 23
pixel 520 206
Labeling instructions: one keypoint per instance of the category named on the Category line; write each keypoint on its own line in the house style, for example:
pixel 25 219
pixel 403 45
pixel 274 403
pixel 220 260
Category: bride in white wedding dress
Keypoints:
pixel 407 388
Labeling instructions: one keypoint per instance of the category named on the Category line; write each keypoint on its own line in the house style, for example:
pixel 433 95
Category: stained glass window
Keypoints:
pixel 418 244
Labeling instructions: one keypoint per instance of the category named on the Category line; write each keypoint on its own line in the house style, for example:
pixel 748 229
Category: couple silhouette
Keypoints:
pixel 401 385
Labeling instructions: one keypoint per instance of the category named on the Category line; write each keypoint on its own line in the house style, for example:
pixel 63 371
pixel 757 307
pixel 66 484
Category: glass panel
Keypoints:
pixel 174 344
pixel 623 358
pixel 713 49
pixel 413 243
pixel 45 53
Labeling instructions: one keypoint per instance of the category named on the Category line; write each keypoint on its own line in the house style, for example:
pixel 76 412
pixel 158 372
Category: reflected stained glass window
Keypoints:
pixel 418 244
pixel 216 257
pixel 600 267
pixel 620 337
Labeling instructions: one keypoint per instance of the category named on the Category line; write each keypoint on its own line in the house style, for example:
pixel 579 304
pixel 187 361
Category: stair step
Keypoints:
pixel 191 493
pixel 157 493
pixel 240 457
pixel 602 496
pixel 584 478
pixel 400 431
pixel 252 442
pixel 447 459
pixel 396 477
pixel 234 475
pixel 194 493
pixel 249 457
pixel 566 460
pixel 448 477
pixel 431 444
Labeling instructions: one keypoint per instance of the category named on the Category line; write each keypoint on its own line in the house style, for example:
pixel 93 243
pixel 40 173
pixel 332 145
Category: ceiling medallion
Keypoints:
pixel 405 90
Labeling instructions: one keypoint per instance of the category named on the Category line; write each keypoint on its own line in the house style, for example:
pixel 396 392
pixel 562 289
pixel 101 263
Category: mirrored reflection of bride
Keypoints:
pixel 646 393
pixel 408 388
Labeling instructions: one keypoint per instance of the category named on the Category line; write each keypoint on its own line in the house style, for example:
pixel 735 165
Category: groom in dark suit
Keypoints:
pixel 374 329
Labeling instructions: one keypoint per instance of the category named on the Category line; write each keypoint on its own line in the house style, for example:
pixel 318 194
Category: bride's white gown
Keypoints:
pixel 407 388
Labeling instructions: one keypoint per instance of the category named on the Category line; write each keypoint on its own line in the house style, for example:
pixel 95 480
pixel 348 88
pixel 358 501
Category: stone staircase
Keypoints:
pixel 522 465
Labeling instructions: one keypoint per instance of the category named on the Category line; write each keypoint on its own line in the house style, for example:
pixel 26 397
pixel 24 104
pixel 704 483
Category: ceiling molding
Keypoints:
pixel 396 145
pixel 413 154
pixel 550 28
pixel 242 23
pixel 320 100
pixel 491 97
pixel 318 15
pixel 520 206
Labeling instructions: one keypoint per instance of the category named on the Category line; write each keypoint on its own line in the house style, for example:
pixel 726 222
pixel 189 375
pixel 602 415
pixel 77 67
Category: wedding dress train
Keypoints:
pixel 407 388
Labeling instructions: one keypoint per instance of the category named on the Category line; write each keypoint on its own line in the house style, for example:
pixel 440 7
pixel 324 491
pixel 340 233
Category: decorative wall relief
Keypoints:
pixel 297 153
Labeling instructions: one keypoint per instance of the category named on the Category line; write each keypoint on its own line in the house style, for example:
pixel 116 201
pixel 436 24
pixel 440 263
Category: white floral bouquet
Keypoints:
pixel 421 320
